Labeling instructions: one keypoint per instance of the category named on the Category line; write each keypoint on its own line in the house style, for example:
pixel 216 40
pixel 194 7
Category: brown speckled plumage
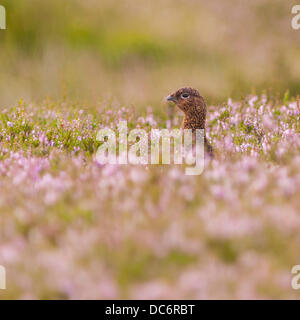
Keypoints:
pixel 193 105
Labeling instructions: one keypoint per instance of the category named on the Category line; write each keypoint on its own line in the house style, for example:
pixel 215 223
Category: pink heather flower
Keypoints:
pixel 280 151
pixel 218 191
pixel 151 290
pixel 227 225
pixel 51 197
pixel 151 120
pixel 141 120
pixel 264 99
pixel 283 109
pixel 109 169
pixel 229 146
pixel 235 119
pixel 149 110
pixel 175 173
pixel 252 100
pixel 137 175
pixel 229 102
pixel 42 138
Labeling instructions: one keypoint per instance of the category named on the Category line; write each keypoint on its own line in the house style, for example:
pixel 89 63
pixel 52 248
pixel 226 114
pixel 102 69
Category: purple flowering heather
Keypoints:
pixel 73 228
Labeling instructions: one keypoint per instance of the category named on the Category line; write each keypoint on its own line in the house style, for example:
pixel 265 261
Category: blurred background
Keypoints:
pixel 71 228
pixel 138 51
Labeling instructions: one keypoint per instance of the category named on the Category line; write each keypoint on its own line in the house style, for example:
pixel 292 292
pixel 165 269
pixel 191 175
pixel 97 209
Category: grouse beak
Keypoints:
pixel 171 98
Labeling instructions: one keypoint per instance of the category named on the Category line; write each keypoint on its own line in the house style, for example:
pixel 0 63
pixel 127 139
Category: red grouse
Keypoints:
pixel 193 105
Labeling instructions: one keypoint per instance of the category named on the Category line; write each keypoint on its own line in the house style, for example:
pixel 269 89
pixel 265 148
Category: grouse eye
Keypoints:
pixel 185 95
